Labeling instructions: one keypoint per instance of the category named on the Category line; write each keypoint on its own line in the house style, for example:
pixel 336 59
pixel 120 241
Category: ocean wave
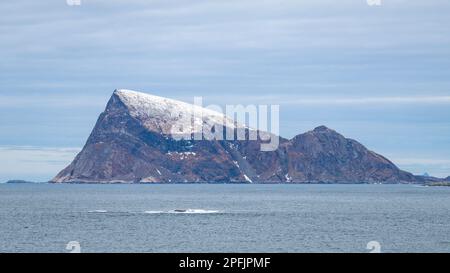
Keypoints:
pixel 174 211
pixel 183 211
pixel 153 211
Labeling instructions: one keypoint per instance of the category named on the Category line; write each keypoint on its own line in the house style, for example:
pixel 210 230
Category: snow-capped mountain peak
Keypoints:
pixel 169 115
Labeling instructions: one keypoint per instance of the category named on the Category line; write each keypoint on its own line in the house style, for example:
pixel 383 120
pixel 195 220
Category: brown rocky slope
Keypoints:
pixel 131 143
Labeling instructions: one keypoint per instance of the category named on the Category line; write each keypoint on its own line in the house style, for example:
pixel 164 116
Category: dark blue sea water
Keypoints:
pixel 224 218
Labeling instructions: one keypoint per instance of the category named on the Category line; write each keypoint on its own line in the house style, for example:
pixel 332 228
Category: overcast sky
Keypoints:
pixel 378 74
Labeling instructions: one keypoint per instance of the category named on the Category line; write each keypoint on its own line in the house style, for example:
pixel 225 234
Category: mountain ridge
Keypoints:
pixel 132 143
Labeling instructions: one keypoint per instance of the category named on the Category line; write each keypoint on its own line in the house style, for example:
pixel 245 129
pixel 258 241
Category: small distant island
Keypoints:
pixel 18 182
pixel 440 184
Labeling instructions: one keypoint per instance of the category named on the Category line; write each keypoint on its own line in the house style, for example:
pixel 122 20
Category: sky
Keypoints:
pixel 377 74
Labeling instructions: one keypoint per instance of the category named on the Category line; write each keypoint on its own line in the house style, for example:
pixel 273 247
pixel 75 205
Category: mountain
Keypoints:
pixel 132 143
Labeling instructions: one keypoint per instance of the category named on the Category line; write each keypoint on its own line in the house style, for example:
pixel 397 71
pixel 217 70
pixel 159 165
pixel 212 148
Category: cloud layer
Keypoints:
pixel 33 163
pixel 378 74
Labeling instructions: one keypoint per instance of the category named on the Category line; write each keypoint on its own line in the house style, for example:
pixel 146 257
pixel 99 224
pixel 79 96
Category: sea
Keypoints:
pixel 224 218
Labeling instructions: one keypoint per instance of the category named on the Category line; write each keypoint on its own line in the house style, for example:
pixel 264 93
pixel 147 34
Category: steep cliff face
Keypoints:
pixel 133 142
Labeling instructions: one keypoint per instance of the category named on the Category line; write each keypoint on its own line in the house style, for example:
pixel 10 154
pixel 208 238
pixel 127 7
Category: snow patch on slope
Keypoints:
pixel 161 114
pixel 247 179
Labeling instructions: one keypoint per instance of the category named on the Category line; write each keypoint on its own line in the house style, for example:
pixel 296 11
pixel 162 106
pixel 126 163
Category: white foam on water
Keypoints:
pixel 174 211
pixel 98 211
pixel 183 211
pixel 153 211
pixel 201 211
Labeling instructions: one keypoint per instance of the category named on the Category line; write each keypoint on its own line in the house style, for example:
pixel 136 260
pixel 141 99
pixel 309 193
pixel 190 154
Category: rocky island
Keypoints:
pixel 131 143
